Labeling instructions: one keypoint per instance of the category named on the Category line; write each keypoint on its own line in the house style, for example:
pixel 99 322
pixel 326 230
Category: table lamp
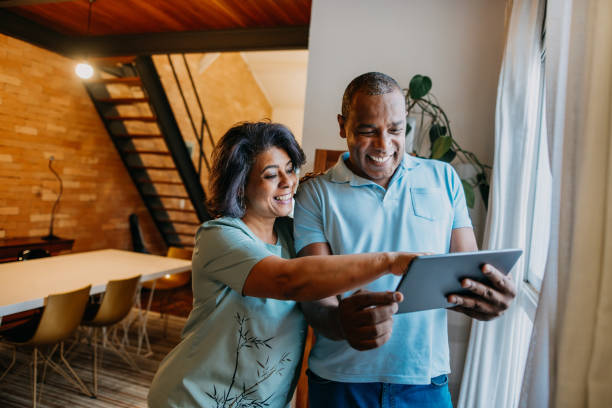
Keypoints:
pixel 50 236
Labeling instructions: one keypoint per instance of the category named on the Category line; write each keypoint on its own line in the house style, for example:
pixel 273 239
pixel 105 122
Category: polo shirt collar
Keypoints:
pixel 340 173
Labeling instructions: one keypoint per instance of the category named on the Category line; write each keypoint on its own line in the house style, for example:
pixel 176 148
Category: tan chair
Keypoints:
pixel 172 281
pixel 60 318
pixel 116 303
pixel 164 284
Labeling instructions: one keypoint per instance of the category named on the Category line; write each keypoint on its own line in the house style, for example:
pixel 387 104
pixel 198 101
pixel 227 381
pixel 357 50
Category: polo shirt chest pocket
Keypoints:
pixel 429 203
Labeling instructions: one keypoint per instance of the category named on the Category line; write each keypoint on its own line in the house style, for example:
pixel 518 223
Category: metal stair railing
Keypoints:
pixel 203 126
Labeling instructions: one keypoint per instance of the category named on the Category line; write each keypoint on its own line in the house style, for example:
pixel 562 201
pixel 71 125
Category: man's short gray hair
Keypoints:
pixel 370 83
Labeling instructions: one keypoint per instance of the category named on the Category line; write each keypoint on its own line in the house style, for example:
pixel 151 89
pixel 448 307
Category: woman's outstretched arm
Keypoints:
pixel 316 277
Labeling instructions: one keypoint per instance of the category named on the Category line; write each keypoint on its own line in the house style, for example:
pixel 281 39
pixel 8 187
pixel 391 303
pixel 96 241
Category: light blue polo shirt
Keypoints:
pixel 422 204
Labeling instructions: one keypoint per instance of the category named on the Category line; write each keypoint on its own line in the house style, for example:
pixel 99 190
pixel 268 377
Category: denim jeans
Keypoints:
pixel 324 393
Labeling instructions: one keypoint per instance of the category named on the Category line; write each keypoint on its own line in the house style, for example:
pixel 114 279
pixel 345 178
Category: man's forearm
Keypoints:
pixel 322 315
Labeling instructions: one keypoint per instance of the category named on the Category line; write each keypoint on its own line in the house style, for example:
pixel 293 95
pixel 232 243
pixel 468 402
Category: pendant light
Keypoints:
pixel 83 69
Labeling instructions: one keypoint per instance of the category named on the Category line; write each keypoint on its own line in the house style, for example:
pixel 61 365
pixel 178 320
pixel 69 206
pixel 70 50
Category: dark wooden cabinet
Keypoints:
pixel 11 247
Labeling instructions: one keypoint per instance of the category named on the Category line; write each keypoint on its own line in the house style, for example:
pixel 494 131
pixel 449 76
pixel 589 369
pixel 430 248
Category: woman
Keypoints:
pixel 243 341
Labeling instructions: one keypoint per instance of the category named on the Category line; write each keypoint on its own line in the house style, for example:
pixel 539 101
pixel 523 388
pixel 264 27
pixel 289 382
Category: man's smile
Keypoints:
pixel 380 159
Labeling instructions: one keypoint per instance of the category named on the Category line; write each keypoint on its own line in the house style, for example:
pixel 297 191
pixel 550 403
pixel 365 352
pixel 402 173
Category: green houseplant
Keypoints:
pixel 435 139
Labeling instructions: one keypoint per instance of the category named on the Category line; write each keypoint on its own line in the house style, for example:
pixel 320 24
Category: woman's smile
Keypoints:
pixel 285 199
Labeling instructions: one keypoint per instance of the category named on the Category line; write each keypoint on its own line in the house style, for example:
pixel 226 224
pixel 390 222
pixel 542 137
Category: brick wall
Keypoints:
pixel 44 111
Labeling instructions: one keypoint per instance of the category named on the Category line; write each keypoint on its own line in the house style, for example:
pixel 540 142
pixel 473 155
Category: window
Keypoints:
pixel 538 220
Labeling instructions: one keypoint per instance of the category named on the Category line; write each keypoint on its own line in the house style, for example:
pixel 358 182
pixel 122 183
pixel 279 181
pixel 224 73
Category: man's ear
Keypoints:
pixel 341 122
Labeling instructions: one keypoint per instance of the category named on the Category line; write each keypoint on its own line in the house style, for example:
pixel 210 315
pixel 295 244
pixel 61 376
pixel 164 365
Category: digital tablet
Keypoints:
pixel 430 278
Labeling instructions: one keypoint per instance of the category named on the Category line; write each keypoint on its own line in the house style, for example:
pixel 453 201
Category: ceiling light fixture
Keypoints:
pixel 83 69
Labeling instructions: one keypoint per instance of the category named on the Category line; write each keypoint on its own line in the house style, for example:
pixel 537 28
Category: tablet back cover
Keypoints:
pixel 431 278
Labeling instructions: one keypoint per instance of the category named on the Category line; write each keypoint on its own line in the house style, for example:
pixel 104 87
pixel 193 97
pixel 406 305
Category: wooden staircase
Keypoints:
pixel 134 109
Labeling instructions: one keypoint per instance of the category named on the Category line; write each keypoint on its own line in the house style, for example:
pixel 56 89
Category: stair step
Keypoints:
pixel 193 224
pixel 172 183
pixel 123 101
pixel 117 80
pixel 165 195
pixel 179 234
pixel 138 135
pixel 124 59
pixel 152 168
pixel 155 152
pixel 131 118
pixel 173 209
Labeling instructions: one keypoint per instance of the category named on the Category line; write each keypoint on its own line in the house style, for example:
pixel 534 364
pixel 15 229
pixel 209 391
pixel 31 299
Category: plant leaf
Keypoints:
pixel 435 131
pixel 469 193
pixel 484 192
pixel 449 156
pixel 408 127
pixel 441 146
pixel 419 86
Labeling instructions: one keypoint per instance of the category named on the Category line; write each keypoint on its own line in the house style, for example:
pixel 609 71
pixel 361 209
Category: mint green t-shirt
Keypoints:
pixel 236 350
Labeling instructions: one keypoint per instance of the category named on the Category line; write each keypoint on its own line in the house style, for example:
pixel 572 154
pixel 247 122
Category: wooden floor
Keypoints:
pixel 119 386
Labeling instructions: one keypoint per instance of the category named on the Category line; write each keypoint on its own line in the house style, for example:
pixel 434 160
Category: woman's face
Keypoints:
pixel 271 185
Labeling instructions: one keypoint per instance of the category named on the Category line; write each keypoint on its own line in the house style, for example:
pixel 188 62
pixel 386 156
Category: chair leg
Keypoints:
pixel 80 383
pixel 44 373
pixel 143 335
pixel 70 376
pixel 75 343
pixel 132 317
pixel 94 367
pixel 166 314
pixel 11 364
pixel 120 351
pixel 125 325
pixel 35 376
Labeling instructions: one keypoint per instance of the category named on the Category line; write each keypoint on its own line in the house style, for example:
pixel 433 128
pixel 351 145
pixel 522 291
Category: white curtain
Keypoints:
pixel 497 350
pixel 570 358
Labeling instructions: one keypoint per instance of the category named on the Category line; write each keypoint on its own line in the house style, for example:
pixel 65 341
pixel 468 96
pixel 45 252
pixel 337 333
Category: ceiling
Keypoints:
pixel 128 27
pixel 111 17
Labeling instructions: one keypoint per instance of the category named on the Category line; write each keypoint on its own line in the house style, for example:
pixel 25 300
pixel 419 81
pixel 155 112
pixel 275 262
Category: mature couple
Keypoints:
pixel 243 342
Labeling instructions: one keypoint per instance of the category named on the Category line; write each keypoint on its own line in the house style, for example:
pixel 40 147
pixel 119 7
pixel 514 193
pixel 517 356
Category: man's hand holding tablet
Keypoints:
pixel 486 302
pixel 474 283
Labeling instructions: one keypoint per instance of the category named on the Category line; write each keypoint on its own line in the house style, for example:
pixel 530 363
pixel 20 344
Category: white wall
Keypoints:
pixel 458 43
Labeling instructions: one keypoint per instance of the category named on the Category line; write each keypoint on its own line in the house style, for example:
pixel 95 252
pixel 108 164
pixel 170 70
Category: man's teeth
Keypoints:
pixel 379 159
pixel 283 197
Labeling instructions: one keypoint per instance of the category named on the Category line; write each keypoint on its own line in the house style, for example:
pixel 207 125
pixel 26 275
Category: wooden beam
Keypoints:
pixel 16 26
pixel 244 39
pixel 19 3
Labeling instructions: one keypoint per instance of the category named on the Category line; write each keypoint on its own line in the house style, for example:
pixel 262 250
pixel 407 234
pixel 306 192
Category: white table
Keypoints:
pixel 25 285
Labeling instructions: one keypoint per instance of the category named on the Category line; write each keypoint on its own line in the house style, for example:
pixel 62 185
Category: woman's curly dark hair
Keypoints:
pixel 233 160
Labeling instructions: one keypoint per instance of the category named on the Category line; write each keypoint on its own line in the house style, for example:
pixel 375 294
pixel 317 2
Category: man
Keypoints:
pixel 377 198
